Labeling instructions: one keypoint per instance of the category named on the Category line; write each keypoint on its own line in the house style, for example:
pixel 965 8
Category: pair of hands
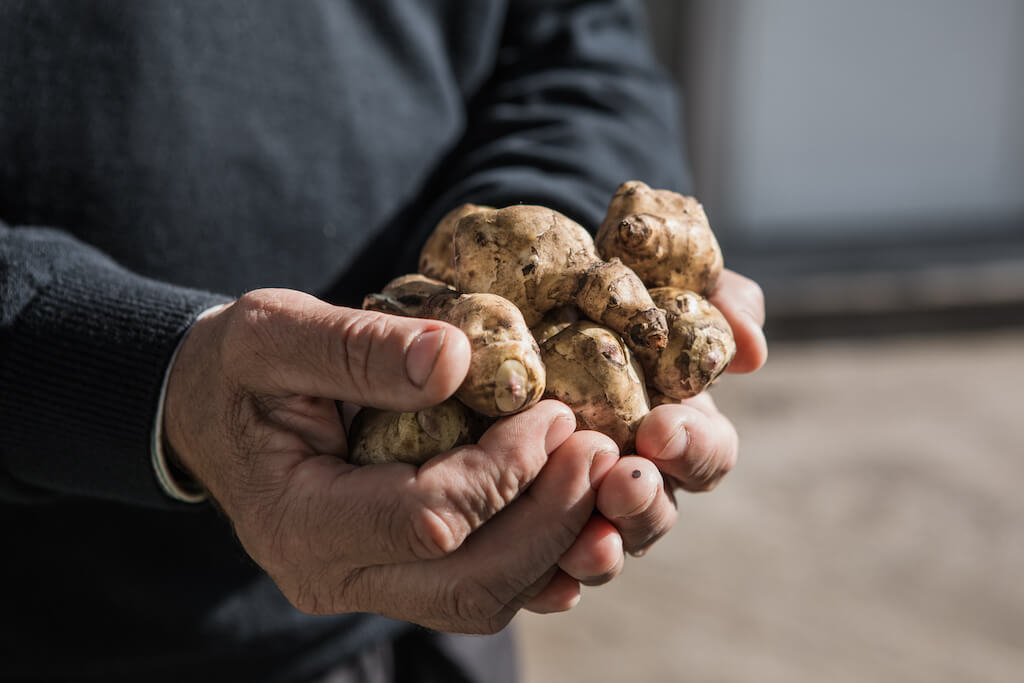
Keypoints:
pixel 472 536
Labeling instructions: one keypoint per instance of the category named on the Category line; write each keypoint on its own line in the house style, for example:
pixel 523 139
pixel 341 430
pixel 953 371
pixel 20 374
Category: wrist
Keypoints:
pixel 175 477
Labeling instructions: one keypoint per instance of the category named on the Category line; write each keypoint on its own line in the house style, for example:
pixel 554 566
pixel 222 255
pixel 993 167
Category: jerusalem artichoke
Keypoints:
pixel 539 259
pixel 592 371
pixel 700 345
pixel 663 236
pixel 437 258
pixel 379 436
pixel 505 374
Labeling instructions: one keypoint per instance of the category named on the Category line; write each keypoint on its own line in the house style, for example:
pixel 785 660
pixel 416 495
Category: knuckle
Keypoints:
pixel 489 488
pixel 251 327
pixel 433 534
pixel 360 341
pixel 254 309
pixel 506 483
pixel 496 489
pixel 595 441
pixel 705 473
pixel 712 456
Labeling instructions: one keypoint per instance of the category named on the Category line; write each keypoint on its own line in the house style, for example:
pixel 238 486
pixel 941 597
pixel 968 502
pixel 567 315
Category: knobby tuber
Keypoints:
pixel 437 258
pixel 379 436
pixel 663 236
pixel 523 276
pixel 505 374
pixel 592 371
pixel 539 259
pixel 700 345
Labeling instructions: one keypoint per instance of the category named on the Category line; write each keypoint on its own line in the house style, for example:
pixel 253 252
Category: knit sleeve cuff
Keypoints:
pixel 82 371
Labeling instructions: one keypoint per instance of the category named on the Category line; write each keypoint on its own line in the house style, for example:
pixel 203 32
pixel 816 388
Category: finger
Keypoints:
pixel 398 513
pixel 597 555
pixel 286 342
pixel 561 594
pixel 741 301
pixel 691 441
pixel 466 487
pixel 633 498
pixel 501 566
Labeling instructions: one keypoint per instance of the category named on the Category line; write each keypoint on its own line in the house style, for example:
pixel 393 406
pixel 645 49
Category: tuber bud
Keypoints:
pixel 663 236
pixel 592 371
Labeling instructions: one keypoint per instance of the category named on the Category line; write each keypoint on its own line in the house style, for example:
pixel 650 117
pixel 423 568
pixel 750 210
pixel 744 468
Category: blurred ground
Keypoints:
pixel 873 530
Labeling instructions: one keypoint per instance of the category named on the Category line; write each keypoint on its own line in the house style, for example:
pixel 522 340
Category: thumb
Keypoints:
pixel 285 342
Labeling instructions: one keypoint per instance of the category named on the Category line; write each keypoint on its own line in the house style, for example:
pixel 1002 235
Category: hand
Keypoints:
pixel 688 445
pixel 251 414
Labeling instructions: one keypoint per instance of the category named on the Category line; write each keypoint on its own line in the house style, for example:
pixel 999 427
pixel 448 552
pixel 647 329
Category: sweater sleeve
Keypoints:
pixel 576 105
pixel 84 346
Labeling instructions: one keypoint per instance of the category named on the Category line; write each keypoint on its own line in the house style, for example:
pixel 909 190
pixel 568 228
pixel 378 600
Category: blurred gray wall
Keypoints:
pixel 876 136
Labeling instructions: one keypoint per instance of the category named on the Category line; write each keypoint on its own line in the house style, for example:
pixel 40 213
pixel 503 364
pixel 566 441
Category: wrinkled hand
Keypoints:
pixel 251 414
pixel 688 445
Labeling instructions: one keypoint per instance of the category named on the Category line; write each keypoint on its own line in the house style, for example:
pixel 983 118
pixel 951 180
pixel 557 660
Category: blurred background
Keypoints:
pixel 865 163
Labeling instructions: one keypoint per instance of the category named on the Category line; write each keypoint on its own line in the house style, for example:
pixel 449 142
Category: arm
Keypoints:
pixel 84 346
pixel 576 104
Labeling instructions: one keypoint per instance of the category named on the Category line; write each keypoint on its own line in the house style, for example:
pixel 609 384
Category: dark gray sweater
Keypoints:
pixel 158 157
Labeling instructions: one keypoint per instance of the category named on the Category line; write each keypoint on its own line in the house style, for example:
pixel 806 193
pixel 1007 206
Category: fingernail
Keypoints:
pixel 602 464
pixel 676 444
pixel 421 356
pixel 559 430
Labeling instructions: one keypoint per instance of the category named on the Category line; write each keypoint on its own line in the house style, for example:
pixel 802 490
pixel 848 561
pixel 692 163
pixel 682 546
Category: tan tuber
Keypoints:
pixel 700 345
pixel 663 236
pixel 539 259
pixel 437 258
pixel 592 371
pixel 523 276
pixel 379 436
pixel 505 374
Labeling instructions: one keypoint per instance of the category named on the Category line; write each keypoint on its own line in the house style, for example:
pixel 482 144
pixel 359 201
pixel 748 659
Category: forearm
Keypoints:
pixel 84 346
